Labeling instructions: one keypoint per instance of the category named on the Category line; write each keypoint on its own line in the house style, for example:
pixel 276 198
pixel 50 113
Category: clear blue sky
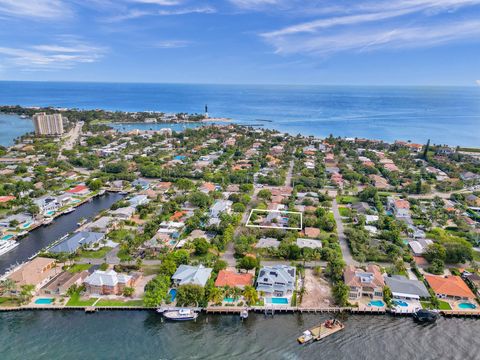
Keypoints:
pixel 393 42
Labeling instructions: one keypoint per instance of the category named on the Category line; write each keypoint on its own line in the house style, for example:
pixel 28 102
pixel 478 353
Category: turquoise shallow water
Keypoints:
pixel 142 335
pixel 448 115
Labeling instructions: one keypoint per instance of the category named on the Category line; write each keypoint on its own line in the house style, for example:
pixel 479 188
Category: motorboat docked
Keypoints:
pixel 69 210
pixel 425 316
pixel 244 314
pixel 321 331
pixel 101 192
pixel 82 222
pixel 179 315
pixel 7 245
pixel 47 221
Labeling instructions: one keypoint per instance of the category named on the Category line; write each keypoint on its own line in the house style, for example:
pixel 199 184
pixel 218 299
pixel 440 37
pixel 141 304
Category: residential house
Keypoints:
pixel 82 239
pixel 450 287
pixel 233 279
pixel 369 283
pixel 37 272
pixel 419 246
pixel 60 284
pixel 403 288
pixel 79 190
pixel 138 200
pixel 310 243
pixel 123 213
pixel 107 282
pixel 276 280
pixel 191 275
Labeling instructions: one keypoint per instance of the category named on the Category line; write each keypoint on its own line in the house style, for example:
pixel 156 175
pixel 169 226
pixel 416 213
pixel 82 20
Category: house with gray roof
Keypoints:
pixel 138 200
pixel 403 288
pixel 107 282
pixel 191 275
pixel 77 240
pixel 276 280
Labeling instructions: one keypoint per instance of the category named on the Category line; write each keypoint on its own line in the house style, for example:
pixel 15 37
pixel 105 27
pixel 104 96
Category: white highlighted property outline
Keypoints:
pixel 275 227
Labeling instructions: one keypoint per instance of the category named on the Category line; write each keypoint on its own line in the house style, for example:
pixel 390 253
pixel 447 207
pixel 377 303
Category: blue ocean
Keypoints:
pixel 446 115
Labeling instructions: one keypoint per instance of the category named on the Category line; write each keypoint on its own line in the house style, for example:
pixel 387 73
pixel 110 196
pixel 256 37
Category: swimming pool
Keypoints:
pixel 44 301
pixel 378 303
pixel 7 237
pixel 26 225
pixel 229 300
pixel 49 213
pixel 173 294
pixel 277 301
pixel 400 303
pixel 467 305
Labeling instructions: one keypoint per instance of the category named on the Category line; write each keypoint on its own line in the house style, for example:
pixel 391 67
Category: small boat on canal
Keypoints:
pixel 321 331
pixel 423 316
pixel 179 315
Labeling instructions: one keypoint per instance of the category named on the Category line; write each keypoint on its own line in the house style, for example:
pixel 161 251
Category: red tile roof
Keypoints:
pixel 77 189
pixel 232 279
pixel 449 285
pixel 4 199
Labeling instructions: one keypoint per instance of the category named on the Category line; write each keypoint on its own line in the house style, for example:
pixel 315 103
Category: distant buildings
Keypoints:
pixel 51 124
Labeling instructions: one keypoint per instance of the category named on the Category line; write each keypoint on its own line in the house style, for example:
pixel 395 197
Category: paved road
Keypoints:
pixel 288 179
pixel 347 255
pixel 71 138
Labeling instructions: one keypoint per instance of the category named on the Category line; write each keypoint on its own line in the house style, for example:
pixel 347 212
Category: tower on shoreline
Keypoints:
pixel 206 111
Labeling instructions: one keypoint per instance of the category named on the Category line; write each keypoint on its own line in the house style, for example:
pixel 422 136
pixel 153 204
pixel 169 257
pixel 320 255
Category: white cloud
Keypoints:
pixel 372 25
pixel 159 2
pixel 478 82
pixel 171 44
pixel 372 39
pixel 137 13
pixel 64 55
pixel 41 9
pixel 254 4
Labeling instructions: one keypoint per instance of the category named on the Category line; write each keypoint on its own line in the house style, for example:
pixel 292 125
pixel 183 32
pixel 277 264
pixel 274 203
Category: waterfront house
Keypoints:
pixel 403 288
pixel 124 213
pixel 276 280
pixel 47 204
pixel 102 224
pixel 233 279
pixel 107 282
pixel 37 272
pixel 82 239
pixel 194 275
pixel 369 282
pixel 142 184
pixel 79 190
pixel 24 221
pixel 450 287
pixel 60 284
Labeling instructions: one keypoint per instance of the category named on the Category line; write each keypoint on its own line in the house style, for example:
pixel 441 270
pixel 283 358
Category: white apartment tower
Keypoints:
pixel 51 124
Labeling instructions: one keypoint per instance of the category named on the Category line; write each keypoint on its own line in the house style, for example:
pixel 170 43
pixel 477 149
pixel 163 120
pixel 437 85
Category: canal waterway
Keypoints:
pixel 45 235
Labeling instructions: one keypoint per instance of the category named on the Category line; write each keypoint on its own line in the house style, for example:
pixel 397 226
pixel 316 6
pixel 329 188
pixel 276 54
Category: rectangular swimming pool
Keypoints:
pixel 277 301
pixel 44 301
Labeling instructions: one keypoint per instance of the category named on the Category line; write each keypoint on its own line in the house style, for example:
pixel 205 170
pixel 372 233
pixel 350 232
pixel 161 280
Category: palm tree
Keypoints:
pixel 250 295
pixel 7 286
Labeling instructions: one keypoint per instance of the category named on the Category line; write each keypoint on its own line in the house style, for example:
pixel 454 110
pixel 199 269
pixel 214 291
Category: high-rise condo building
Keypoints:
pixel 51 124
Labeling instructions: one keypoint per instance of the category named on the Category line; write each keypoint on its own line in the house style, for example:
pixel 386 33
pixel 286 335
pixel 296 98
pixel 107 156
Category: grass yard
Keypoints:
pixel 347 199
pixel 345 212
pixel 150 269
pixel 75 268
pixel 443 305
pixel 76 301
pixel 7 302
pixel 107 302
pixel 95 254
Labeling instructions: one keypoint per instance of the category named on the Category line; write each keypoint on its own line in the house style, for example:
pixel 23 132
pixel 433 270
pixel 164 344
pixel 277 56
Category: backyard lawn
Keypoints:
pixel 78 268
pixel 5 301
pixel 95 254
pixel 443 305
pixel 347 199
pixel 107 302
pixel 76 301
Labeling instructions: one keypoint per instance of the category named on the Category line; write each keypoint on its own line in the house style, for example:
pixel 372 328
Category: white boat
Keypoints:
pixel 47 221
pixel 180 315
pixel 82 222
pixel 69 210
pixel 244 314
pixel 7 245
pixel 101 192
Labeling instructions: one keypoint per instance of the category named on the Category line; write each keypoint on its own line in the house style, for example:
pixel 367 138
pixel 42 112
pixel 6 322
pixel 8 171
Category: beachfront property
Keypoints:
pixel 450 287
pixel 194 275
pixel 233 279
pixel 107 283
pixel 276 280
pixel 37 272
pixel 51 124
pixel 364 283
pixel 82 239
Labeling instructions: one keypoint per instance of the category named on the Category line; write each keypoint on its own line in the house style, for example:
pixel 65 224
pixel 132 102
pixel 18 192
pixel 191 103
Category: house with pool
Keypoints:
pixel 368 283
pixel 277 283
pixel 454 290
pixel 406 293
